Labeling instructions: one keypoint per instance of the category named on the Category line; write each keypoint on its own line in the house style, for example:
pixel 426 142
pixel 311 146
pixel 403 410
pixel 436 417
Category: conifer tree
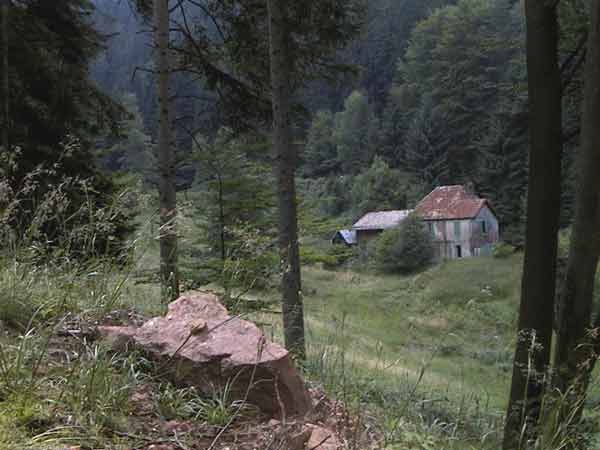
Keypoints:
pixel 320 153
pixel 55 109
pixel 356 131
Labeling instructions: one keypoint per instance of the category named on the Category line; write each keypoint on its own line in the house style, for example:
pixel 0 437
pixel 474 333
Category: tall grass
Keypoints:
pixel 60 390
pixel 410 412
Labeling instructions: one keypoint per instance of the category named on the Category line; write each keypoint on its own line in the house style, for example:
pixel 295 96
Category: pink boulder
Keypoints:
pixel 199 344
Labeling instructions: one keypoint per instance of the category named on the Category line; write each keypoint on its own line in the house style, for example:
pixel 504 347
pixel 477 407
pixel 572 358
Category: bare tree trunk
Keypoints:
pixel 5 87
pixel 281 71
pixel 573 348
pixel 166 158
pixel 532 355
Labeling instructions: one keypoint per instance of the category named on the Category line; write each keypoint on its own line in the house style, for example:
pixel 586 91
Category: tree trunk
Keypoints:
pixel 222 222
pixel 573 348
pixel 166 159
pixel 5 87
pixel 281 71
pixel 532 355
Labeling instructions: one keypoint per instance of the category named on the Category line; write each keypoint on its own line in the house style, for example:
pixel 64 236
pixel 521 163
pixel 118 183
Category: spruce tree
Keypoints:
pixel 56 111
pixel 356 133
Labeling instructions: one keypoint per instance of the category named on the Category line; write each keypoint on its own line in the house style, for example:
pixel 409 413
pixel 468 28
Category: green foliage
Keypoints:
pixel 97 389
pixel 50 188
pixel 426 145
pixel 133 152
pixel 62 216
pixel 310 256
pixel 346 141
pixel 406 248
pixel 379 188
pixel 339 255
pixel 331 194
pixel 218 409
pixel 356 129
pixel 229 50
pixel 237 210
pixel 502 250
pixel 251 262
pixel 320 154
pixel 51 97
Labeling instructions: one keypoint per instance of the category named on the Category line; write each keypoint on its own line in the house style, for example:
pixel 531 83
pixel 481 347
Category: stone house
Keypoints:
pixel 461 223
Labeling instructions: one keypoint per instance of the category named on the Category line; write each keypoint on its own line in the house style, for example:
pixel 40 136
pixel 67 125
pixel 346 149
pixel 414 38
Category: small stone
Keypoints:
pixel 297 441
pixel 119 339
pixel 323 439
pixel 274 423
pixel 175 426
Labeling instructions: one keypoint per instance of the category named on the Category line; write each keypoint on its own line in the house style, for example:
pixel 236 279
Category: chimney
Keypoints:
pixel 470 188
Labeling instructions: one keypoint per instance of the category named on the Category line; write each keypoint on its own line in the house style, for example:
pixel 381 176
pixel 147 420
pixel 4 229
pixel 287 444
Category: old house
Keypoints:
pixel 461 223
pixel 372 224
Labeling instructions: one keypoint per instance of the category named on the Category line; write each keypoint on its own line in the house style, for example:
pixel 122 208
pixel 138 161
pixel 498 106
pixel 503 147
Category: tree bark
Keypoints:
pixel 166 158
pixel 281 71
pixel 532 354
pixel 574 349
pixel 5 88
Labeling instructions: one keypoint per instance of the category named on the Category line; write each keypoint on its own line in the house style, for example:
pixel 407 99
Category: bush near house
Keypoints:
pixel 404 249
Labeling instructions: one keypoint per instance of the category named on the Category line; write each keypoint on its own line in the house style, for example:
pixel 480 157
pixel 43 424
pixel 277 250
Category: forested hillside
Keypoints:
pixel 436 96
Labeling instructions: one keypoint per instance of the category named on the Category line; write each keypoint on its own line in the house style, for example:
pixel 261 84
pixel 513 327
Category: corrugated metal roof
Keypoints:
pixel 349 236
pixel 450 203
pixel 381 220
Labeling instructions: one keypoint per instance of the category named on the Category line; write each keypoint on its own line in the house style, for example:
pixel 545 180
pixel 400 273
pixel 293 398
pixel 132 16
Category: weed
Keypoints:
pixel 217 409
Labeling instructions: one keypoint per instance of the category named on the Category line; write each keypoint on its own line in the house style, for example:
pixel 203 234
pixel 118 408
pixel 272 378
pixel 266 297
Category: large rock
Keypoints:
pixel 199 344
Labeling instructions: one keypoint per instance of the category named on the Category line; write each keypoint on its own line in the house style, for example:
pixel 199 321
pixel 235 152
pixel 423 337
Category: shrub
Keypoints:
pixel 339 255
pixel 58 215
pixel 502 250
pixel 404 249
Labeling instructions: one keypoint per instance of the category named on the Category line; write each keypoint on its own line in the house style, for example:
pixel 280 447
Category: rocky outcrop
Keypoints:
pixel 197 343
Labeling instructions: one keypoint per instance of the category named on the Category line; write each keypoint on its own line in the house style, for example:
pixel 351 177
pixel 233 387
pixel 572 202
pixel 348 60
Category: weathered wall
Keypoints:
pixel 468 234
pixel 481 242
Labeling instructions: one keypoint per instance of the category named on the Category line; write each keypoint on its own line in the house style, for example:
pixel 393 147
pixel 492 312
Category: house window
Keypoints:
pixel 457 230
pixel 458 251
pixel 483 226
pixel 431 228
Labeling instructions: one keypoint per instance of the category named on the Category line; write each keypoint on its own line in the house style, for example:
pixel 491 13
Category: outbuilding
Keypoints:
pixel 346 237
pixel 372 224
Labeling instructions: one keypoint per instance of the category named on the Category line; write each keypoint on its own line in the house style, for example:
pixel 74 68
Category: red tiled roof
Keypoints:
pixel 449 203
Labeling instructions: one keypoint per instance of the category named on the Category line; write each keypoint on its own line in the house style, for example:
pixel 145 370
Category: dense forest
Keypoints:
pixel 436 95
pixel 207 159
